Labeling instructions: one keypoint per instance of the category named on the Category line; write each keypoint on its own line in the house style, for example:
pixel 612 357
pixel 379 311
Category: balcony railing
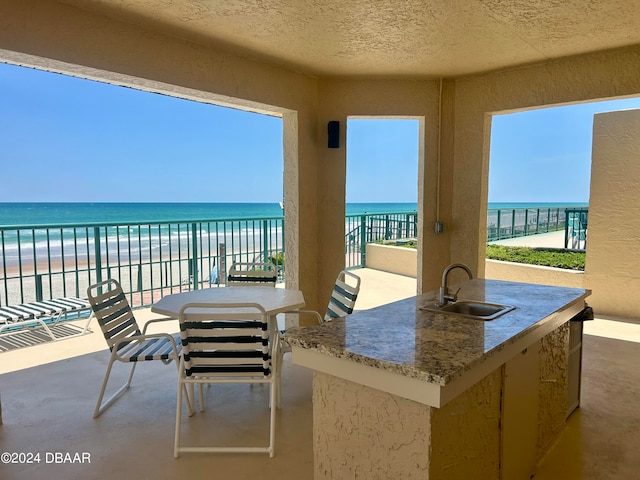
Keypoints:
pixel 519 222
pixel 148 259
pixel 152 259
pixel 363 229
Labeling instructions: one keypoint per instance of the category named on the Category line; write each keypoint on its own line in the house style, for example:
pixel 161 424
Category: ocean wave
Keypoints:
pixel 134 242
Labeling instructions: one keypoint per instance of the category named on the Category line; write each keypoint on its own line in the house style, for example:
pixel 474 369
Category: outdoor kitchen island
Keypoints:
pixel 402 392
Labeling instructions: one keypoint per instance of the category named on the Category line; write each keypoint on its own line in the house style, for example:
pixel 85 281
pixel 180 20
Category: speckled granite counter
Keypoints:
pixel 399 392
pixel 440 349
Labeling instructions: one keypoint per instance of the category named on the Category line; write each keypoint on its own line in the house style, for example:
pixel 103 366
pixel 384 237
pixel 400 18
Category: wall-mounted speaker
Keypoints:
pixel 333 132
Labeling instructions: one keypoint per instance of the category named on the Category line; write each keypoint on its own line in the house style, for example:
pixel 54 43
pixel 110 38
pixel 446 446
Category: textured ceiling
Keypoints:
pixel 389 37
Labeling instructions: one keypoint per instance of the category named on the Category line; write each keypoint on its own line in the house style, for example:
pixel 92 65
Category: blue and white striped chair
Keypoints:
pixel 126 341
pixel 246 274
pixel 342 302
pixel 225 343
pixel 343 296
pixel 46 314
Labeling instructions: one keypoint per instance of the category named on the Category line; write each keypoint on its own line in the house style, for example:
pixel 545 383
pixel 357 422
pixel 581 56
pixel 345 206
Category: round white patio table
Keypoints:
pixel 273 300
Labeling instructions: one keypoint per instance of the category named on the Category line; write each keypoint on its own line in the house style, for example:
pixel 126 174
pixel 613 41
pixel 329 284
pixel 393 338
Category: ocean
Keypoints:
pixel 144 213
pixel 541 205
pixel 57 230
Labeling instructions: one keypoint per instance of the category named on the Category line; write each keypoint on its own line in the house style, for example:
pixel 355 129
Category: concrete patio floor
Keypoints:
pixel 49 392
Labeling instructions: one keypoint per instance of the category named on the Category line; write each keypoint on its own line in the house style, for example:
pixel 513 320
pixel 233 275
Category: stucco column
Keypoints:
pixel 436 190
pixel 613 233
pixel 300 208
pixel 339 99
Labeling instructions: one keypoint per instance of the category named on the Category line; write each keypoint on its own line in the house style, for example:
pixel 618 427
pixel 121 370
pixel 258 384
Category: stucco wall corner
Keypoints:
pixel 355 427
pixel 614 227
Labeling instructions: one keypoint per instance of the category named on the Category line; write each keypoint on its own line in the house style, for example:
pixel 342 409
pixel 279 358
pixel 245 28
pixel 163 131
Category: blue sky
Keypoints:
pixel 68 139
pixel 382 160
pixel 545 154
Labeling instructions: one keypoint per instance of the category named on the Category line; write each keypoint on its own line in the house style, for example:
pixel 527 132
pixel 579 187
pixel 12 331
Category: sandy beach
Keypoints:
pixel 144 259
pixel 148 280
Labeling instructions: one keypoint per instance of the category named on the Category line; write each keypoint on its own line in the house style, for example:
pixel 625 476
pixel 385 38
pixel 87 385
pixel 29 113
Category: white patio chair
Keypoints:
pixel 343 299
pixel 245 274
pixel 127 343
pixel 226 343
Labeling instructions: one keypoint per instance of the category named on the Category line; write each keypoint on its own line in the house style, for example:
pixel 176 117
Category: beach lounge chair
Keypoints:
pixel 45 314
pixel 252 274
pixel 343 299
pixel 127 343
pixel 225 343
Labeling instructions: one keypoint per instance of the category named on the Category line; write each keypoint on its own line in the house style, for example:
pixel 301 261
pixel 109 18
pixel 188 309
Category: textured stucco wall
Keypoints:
pixel 360 432
pixel 613 253
pixel 577 79
pixel 389 258
pixel 402 261
pixel 517 272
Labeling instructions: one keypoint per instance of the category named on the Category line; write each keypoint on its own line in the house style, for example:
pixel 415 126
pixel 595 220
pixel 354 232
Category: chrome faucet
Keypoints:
pixel 444 296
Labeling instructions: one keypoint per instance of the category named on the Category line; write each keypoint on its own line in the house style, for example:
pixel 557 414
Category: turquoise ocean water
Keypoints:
pixel 65 241
pixel 123 213
pixel 138 237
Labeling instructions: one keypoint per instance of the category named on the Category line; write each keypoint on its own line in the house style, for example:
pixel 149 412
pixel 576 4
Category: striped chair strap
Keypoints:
pixel 45 308
pixel 157 348
pixel 251 279
pixel 113 313
pixel 222 343
pixel 247 274
pixel 343 297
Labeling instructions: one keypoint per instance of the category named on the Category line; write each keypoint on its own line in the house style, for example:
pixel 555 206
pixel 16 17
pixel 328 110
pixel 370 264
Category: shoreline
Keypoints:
pixel 145 281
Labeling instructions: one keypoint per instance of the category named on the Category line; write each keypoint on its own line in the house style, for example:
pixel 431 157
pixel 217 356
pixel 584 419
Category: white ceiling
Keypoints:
pixel 411 38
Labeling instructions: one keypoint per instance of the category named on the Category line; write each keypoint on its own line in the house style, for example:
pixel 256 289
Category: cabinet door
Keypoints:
pixel 520 415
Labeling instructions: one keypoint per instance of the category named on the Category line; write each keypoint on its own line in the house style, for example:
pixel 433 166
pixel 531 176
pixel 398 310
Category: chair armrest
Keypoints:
pixel 155 320
pixel 307 312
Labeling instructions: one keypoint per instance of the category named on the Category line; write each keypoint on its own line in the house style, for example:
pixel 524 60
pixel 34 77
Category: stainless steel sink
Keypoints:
pixel 471 309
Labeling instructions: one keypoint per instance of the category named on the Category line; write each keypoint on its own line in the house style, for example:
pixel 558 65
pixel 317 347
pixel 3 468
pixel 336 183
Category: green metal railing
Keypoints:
pixel 519 222
pixel 363 229
pixel 148 259
pixel 152 259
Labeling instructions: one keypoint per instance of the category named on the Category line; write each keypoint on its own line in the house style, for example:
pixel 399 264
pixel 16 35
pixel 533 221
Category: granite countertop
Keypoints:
pixel 401 338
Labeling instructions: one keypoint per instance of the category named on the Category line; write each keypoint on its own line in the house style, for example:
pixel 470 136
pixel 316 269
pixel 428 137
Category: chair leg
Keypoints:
pixel 200 397
pixel 273 390
pixel 101 407
pixel 192 396
pixel 181 388
pixel 86 325
pixel 190 404
pixel 133 369
pixel 280 359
